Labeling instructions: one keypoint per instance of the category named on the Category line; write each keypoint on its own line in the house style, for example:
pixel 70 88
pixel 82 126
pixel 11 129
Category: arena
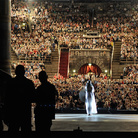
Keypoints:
pixel 74 41
pixel 51 27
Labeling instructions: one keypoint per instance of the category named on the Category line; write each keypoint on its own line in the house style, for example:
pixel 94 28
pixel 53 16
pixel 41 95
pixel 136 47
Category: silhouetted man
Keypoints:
pixel 45 104
pixel 4 78
pixel 1 123
pixel 19 96
pixel 113 104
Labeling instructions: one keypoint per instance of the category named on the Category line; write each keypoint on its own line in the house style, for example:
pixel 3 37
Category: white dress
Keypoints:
pixel 90 101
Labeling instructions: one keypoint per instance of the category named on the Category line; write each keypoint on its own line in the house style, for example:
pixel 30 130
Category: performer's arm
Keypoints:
pixel 80 88
pixel 92 89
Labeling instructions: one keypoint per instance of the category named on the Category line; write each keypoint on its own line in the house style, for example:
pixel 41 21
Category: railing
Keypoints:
pixel 112 57
pixel 129 61
pixel 87 52
pixel 58 57
pixel 45 59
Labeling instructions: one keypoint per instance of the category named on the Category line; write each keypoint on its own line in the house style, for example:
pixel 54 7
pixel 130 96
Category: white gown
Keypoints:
pixel 90 101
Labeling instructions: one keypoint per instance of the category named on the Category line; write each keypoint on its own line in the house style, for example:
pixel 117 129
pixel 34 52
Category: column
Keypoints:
pixel 5 35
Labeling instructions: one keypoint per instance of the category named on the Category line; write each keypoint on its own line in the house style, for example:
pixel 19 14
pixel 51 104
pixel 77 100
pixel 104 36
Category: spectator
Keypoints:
pixel 19 96
pixel 45 104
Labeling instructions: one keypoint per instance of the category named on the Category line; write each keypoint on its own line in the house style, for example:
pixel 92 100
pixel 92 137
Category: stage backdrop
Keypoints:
pixel 89 68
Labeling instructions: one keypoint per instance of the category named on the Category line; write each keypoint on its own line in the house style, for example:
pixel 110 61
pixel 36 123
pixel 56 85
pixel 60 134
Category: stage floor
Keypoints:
pixel 96 123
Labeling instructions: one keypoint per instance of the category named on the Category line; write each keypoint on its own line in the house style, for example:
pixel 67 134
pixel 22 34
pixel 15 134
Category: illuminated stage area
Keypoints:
pixel 103 125
pixel 96 123
pixel 107 125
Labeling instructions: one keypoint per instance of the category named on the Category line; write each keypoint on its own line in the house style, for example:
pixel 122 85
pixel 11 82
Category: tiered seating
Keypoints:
pixel 55 25
pixel 34 45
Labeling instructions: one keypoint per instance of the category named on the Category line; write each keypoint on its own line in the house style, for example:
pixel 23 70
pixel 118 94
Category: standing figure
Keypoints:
pixel 45 105
pixel 90 99
pixel 19 96
pixel 4 78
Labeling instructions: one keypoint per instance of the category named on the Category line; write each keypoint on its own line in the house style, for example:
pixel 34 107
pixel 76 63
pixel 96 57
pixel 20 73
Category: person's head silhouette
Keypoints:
pixel 43 76
pixel 20 71
pixel 89 88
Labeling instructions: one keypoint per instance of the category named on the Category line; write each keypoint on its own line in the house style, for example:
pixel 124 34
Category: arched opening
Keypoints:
pixel 89 67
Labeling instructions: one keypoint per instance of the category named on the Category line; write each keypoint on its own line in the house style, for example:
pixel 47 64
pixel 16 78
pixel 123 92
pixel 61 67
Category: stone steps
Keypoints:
pixel 116 68
pixel 52 68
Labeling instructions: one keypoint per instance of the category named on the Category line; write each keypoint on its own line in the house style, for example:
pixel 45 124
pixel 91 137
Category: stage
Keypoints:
pixel 96 123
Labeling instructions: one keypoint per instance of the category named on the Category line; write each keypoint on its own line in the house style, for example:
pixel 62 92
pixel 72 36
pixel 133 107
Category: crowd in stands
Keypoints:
pixel 48 22
pixel 35 32
pixel 120 23
pixel 122 93
pixel 129 48
pixel 26 42
pixel 131 72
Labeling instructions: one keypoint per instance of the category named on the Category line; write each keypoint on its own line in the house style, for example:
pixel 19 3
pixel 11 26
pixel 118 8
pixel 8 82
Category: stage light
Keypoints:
pixel 89 64
pixel 74 70
pixel 105 71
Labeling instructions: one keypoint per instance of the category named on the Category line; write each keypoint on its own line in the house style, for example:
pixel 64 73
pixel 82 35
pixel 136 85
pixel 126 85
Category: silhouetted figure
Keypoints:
pixel 4 78
pixel 56 42
pixel 1 118
pixel 19 96
pixel 100 104
pixel 45 104
pixel 113 104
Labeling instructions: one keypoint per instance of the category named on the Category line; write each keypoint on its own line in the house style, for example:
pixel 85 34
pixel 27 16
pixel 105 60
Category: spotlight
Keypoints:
pixel 74 71
pixel 105 71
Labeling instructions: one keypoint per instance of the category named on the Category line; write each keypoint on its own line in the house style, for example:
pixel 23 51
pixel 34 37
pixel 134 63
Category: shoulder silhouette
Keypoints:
pixel 19 96
pixel 4 78
pixel 19 71
pixel 45 104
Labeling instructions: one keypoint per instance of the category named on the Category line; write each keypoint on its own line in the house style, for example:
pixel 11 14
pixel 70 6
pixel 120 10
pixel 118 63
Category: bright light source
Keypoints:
pixel 105 71
pixel 89 64
pixel 74 70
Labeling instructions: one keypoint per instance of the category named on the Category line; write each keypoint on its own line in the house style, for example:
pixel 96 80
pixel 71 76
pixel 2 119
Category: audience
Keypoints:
pixel 26 42
pixel 123 92
pixel 47 26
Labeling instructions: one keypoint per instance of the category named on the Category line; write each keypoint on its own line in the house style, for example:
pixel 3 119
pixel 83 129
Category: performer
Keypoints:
pixel 87 93
pixel 90 99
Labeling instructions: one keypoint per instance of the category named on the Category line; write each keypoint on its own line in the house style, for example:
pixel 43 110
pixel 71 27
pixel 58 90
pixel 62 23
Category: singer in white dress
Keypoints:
pixel 90 99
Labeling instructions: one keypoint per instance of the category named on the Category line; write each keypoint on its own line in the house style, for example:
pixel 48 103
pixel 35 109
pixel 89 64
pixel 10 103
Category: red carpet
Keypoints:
pixel 64 63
